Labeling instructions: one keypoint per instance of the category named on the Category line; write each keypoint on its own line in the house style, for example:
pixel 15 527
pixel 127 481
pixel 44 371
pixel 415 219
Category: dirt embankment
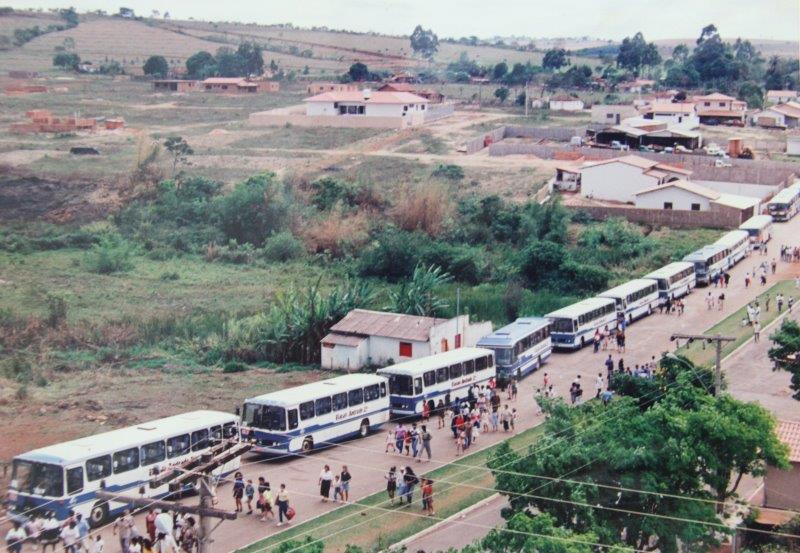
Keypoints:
pixel 69 200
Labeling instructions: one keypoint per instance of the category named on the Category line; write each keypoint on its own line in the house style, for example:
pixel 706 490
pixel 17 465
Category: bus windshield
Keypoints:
pixel 563 325
pixel 502 356
pixel 400 385
pixel 37 478
pixel 268 417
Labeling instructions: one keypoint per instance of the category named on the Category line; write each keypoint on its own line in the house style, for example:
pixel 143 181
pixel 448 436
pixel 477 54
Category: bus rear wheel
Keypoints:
pixel 363 430
pixel 308 445
pixel 99 515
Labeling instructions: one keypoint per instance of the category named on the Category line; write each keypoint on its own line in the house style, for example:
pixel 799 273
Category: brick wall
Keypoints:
pixel 718 217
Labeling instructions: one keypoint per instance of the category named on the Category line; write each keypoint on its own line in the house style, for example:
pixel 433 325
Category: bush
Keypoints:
pixel 234 367
pixel 464 263
pixel 232 252
pixel 393 255
pixel 282 247
pixel 111 255
pixel 426 208
pixel 169 276
pixel 448 171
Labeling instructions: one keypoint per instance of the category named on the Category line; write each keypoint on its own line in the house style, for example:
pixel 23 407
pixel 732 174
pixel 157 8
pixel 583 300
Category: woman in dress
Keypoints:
pixel 325 479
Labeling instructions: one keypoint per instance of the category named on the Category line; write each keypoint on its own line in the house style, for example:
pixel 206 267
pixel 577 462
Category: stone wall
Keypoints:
pixel 478 143
pixel 434 112
pixel 718 217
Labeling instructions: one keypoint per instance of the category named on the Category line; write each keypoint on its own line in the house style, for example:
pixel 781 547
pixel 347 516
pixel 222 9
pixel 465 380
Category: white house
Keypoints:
pixel 719 107
pixel 793 143
pixel 612 114
pixel 684 195
pixel 365 337
pixel 782 115
pixel 367 103
pixel 781 96
pixel 562 102
pixel 677 114
pixel 619 179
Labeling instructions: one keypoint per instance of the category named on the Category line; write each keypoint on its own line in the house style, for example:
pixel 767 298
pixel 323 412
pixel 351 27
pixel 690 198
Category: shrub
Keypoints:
pixel 448 171
pixel 233 252
pixel 337 233
pixel 169 275
pixel 234 367
pixel 111 255
pixel 464 263
pixel 282 247
pixel 426 208
pixel 393 254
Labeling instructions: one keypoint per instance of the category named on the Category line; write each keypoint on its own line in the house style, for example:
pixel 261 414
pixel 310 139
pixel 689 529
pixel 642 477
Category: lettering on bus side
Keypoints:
pixel 463 380
pixel 350 413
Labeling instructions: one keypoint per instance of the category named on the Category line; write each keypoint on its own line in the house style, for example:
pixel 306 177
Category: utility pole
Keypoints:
pixel 526 98
pixel 708 338
pixel 193 471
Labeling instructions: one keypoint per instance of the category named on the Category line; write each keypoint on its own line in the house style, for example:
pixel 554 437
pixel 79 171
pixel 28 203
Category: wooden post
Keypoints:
pixel 718 339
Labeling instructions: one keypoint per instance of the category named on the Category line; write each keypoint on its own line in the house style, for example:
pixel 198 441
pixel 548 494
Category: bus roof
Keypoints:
pixel 732 237
pixel 580 307
pixel 298 394
pixel 131 436
pixel 509 334
pixel 669 270
pixel 624 289
pixel 423 364
pixel 786 195
pixel 704 253
pixel 756 222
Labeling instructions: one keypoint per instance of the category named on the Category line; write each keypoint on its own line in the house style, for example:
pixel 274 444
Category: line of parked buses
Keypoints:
pixel 65 477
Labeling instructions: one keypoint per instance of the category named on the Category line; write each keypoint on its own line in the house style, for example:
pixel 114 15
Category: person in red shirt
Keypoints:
pixel 427 496
pixel 150 524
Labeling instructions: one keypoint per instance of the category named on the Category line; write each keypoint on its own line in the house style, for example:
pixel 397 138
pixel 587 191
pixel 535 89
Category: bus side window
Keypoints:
pixel 417 386
pixel 179 445
pixel 306 410
pixel 356 397
pixel 383 389
pixel 199 440
pixel 322 406
pixel 455 371
pixel 292 419
pixel 74 480
pixel 429 378
pixel 229 430
pixel 340 400
pixel 480 363
pixel 489 361
pixel 125 460
pixel 97 468
pixel 469 366
pixel 153 453
pixel 441 375
pixel 216 434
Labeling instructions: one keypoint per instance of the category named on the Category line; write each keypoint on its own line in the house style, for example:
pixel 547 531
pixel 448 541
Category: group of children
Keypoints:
pixel 404 483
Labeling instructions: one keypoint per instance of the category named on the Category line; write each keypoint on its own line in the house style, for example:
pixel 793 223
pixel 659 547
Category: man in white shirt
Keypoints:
pixel 15 538
pixel 98 545
pixel 70 537
pixel 598 384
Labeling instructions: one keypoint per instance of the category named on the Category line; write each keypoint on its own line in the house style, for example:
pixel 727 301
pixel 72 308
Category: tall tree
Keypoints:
pixel 555 59
pixel 500 71
pixel 201 65
pixel 785 352
pixel 424 42
pixel 251 58
pixel 156 66
pixel 358 72
pixel 635 53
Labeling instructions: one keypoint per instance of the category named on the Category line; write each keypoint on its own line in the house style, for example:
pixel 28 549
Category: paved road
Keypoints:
pixel 368 462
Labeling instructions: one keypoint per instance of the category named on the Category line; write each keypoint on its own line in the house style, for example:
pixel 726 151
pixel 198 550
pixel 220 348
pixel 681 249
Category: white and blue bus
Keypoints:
pixel 446 376
pixel 520 347
pixel 316 414
pixel 738 244
pixel 759 227
pixel 574 326
pixel 785 204
pixel 65 477
pixel 709 261
pixel 674 280
pixel 635 299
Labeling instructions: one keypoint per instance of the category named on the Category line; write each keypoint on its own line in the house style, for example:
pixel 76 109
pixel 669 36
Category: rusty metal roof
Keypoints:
pixel 342 340
pixel 363 322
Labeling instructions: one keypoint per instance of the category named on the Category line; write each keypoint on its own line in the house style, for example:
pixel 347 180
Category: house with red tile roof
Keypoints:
pixel 784 116
pixel 720 107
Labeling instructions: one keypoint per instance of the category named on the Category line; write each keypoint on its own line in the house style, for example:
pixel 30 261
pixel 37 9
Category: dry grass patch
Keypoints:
pixel 424 207
pixel 337 233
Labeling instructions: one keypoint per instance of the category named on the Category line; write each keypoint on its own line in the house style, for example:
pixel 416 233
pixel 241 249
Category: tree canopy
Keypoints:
pixel 555 58
pixel 785 352
pixel 201 65
pixel 156 66
pixel 424 42
pixel 636 53
pixel 359 72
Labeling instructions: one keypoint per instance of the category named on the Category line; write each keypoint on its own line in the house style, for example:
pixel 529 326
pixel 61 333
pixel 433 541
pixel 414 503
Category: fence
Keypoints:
pixel 563 134
pixel 479 142
pixel 719 219
pixel 437 111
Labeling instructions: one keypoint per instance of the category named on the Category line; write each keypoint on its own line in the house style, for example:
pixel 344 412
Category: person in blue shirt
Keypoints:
pixel 82 526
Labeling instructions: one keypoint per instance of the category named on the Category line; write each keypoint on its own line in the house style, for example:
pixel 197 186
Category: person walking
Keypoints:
pixel 427 496
pixel 391 484
pixel 189 540
pixel 338 496
pixel 150 523
pixel 98 545
pixel 779 301
pixel 123 527
pixel 414 440
pixel 598 385
pixel 766 303
pixel 282 501
pixel 389 441
pixel 346 477
pixel 399 437
pixel 15 537
pixel 249 492
pixel 609 366
pixel 774 265
pixel 82 526
pixel 721 300
pixel 238 491
pixel 425 439
pixel 69 536
pixel 410 480
pixel 325 479
pixel 756 331
pixel 264 499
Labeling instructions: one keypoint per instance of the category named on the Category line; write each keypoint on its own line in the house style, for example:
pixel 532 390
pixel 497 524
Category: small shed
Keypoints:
pixel 562 102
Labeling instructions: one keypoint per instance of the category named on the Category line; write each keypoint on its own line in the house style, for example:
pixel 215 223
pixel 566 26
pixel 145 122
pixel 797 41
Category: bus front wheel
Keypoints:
pixel 363 430
pixel 99 515
pixel 308 445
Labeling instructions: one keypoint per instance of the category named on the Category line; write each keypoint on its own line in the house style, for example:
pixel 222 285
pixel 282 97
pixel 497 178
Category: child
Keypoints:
pixel 265 501
pixel 238 491
pixel 485 420
pixel 462 436
pixel 250 492
pixel 427 496
pixel 513 418
pixel 390 442
pixel 337 489
pixel 407 443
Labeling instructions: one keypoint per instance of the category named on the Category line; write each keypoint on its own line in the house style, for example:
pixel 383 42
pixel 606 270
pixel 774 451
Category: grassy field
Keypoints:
pixel 374 524
pixel 732 325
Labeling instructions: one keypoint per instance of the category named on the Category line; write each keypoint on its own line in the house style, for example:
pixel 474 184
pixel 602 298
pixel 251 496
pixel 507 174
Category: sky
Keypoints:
pixel 607 19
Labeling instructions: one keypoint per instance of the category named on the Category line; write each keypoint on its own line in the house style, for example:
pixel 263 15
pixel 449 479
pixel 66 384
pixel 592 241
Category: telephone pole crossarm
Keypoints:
pixel 719 340
pixel 166 505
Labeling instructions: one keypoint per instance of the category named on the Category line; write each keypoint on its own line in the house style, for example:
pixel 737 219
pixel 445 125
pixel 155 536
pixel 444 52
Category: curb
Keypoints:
pixel 434 527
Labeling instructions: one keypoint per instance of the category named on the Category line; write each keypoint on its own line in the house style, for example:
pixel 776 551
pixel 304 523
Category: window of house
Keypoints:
pixel 707 104
pixel 125 460
pixel 722 104
pixel 306 410
pixel 695 207
pixel 609 116
pixel 667 205
pixel 405 349
pixel 422 106
pixel 361 110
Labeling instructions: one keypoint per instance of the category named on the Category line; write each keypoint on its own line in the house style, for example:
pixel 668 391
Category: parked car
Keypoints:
pixel 733 123
pixel 681 149
pixel 617 145
pixel 646 149
pixel 711 122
